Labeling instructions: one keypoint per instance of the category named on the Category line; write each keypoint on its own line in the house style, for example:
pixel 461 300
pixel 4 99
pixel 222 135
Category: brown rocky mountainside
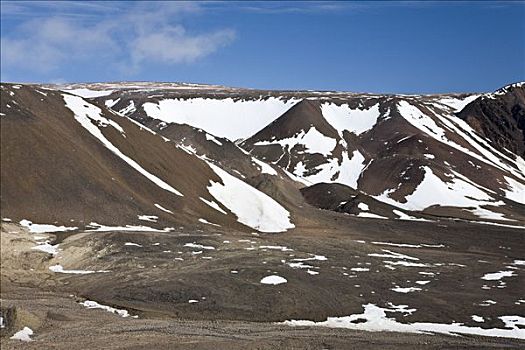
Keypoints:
pixel 390 148
pixel 187 216
pixel 500 118
pixel 411 145
pixel 69 162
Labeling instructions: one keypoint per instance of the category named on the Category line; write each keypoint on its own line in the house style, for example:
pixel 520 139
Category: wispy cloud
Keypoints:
pixel 173 45
pixel 48 36
pixel 75 9
pixel 55 42
pixel 290 7
pixel 319 7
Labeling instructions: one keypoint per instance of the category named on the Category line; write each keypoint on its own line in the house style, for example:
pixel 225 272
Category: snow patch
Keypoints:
pixel 42 228
pixel 480 148
pixel 47 248
pixel 252 207
pixel 406 263
pixel 60 269
pixel 515 190
pixel 313 142
pixel 405 289
pixel 404 216
pixel 221 117
pixel 370 215
pixel 213 139
pixel 90 304
pixel 477 318
pixel 351 169
pixel 199 246
pixel 110 103
pixel 363 206
pixel 23 335
pixel 376 320
pixel 103 228
pixel 347 173
pixel 393 255
pixel 343 117
pixel 489 214
pixel 204 221
pixel 151 218
pixel 130 108
pixel 434 191
pixel 273 280
pixel 457 104
pixel 265 168
pixel 496 276
pixel 163 209
pixel 422 283
pixel 407 245
pixel 276 247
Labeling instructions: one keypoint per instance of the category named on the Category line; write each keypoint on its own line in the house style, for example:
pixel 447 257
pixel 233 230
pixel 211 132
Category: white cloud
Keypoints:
pixel 44 45
pixel 133 37
pixel 174 45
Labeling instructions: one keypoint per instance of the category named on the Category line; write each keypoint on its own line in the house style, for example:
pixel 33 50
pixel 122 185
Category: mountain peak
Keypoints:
pixel 500 117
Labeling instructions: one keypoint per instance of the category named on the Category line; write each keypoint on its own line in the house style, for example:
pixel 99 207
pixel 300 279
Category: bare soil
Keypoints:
pixel 234 310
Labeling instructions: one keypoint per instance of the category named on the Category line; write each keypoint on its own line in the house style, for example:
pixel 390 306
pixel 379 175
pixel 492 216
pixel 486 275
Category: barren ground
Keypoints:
pixel 157 277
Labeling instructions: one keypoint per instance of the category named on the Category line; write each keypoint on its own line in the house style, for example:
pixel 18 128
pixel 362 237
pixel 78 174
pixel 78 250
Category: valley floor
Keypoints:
pixel 203 290
pixel 68 326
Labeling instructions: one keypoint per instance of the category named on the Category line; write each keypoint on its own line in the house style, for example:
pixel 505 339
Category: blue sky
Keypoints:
pixel 405 47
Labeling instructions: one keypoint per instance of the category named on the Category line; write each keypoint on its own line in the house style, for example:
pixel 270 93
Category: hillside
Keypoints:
pixel 395 148
pixel 176 214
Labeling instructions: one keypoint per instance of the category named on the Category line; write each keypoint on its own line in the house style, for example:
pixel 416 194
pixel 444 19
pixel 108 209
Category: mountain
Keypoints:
pixel 344 199
pixel 220 211
pixel 448 155
pixel 70 162
pixel 402 150
pixel 500 118
pixel 394 148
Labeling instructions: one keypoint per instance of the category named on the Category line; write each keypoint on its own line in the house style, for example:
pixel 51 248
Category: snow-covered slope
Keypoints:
pixel 244 117
pixel 252 207
pixel 66 160
pixel 412 152
pixel 383 145
pixel 399 149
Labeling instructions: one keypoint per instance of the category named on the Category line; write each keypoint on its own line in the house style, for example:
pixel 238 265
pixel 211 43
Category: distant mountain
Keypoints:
pixel 110 152
pixel 412 152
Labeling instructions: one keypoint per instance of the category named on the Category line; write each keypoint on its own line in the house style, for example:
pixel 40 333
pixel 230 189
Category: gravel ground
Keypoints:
pixel 152 280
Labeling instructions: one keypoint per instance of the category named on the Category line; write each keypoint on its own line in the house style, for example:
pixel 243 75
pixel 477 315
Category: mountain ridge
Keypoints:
pixel 389 147
pixel 219 208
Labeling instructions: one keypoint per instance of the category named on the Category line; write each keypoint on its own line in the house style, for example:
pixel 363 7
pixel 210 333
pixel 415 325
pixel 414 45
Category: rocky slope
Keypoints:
pixel 429 155
pixel 161 201
pixel 412 152
pixel 68 162
pixel 500 118
pixel 398 149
